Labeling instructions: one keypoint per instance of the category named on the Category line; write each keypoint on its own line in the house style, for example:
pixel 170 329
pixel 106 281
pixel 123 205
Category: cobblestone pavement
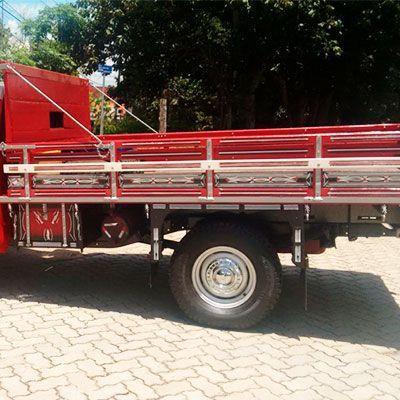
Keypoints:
pixel 77 327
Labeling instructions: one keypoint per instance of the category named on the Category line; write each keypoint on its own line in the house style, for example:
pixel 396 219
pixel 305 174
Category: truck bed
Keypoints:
pixel 339 165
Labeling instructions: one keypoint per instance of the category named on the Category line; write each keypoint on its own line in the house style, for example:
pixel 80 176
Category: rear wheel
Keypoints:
pixel 225 274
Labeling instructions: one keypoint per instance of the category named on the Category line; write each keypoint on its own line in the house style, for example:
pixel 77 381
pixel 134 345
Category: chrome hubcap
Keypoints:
pixel 224 277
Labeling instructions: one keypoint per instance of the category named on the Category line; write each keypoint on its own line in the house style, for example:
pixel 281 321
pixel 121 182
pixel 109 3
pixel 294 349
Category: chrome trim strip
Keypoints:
pixel 225 153
pixel 159 206
pixel 222 207
pixel 210 185
pixel 262 207
pixel 318 182
pixel 291 207
pixel 185 206
pixel 318 171
pixel 164 167
pixel 365 149
pixel 209 173
pixel 25 157
pixel 64 224
pixel 203 200
pixel 47 244
pixel 28 224
pixel 113 174
pixel 167 142
pixel 282 138
pixel 274 179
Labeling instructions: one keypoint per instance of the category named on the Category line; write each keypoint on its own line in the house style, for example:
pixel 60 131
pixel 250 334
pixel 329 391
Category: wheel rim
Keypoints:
pixel 224 277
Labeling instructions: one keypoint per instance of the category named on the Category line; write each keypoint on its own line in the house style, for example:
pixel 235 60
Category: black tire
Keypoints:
pixel 249 241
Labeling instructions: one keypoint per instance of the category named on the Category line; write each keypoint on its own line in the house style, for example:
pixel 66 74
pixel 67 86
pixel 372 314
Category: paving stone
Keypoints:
pixel 142 391
pixel 108 392
pixel 239 385
pixel 48 383
pixel 328 392
pixel 92 329
pixel 172 388
pixel 14 386
pixel 209 389
pixel 70 392
pixel 178 375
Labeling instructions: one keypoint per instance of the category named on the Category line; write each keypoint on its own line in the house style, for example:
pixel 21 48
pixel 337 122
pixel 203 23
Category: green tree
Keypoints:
pixel 252 63
pixel 13 49
pixel 56 38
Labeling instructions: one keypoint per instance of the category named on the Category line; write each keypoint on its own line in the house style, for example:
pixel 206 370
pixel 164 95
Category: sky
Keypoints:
pixel 29 9
pixel 25 9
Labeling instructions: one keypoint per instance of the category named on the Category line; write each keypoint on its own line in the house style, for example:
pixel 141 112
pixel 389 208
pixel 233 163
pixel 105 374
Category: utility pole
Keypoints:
pixel 102 105
pixel 104 70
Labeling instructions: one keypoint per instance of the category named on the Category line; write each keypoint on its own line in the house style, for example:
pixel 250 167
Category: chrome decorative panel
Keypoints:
pixel 268 179
pixel 150 180
pixel 84 181
pixel 362 180
pixel 15 181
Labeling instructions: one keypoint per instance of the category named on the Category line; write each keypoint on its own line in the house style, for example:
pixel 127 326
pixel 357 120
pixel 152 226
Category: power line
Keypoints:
pixel 3 9
pixel 48 5
pixel 19 40
pixel 13 9
pixel 10 13
pixel 2 22
pixel 2 15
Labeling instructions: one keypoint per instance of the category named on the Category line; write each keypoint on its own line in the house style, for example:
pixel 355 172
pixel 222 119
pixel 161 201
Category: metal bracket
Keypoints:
pixel 299 256
pixel 384 211
pixel 307 210
pixel 157 217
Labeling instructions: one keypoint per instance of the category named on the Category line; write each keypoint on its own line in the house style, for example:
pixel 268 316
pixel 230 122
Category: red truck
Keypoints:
pixel 243 195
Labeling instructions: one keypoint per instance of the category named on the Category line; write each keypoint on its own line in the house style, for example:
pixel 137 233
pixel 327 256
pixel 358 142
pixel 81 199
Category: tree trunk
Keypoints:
pixel 249 111
pixel 246 95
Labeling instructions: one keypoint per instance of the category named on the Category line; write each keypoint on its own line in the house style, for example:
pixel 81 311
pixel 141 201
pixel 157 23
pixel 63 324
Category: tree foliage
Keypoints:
pixel 12 49
pixel 56 38
pixel 235 63
pixel 253 63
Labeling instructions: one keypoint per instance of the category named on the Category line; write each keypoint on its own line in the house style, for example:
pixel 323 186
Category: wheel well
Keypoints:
pixel 277 232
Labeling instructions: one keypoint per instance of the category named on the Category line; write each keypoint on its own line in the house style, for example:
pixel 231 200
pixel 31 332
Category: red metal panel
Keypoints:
pixel 254 133
pixel 28 113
